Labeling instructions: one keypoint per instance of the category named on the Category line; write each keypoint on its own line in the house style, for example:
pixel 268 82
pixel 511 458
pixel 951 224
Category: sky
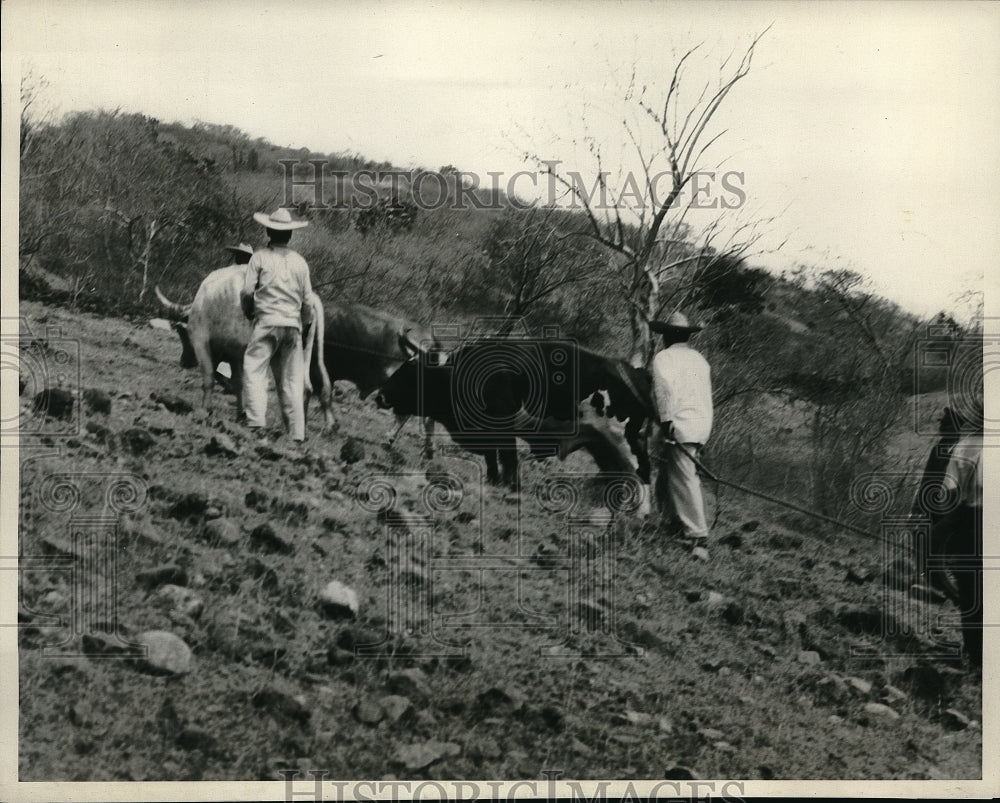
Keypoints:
pixel 865 133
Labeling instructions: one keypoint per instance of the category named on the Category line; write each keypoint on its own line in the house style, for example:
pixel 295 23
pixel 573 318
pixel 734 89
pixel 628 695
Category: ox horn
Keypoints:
pixel 177 311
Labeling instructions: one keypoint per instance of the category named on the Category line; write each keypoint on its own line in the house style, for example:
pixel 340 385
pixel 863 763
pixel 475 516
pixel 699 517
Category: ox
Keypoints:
pixel 366 346
pixel 489 392
pixel 213 330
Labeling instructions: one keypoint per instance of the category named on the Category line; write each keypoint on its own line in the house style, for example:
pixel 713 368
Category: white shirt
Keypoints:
pixel 682 387
pixel 278 279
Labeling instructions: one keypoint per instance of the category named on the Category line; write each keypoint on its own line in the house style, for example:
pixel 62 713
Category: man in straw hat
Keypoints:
pixel 275 296
pixel 682 388
pixel 241 253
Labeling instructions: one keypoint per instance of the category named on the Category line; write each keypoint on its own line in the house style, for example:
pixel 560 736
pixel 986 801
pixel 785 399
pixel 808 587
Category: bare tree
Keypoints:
pixel 650 238
pixel 530 258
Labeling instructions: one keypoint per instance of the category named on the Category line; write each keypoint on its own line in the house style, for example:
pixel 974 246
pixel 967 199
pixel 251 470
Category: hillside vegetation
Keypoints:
pixel 814 375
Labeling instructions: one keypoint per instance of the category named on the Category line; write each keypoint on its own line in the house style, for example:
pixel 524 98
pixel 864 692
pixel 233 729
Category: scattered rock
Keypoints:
pixel 137 440
pixel 222 532
pixel 784 541
pixel 100 433
pixel 419 756
pixel 858 684
pixel 195 739
pixel 711 734
pixel 809 658
pixel 833 719
pixel 338 601
pixel 282 703
pixel 257 500
pixel 188 506
pixel 494 702
pixel 830 690
pixel 368 713
pixel 410 683
pixel 352 451
pixel 221 444
pixel 174 404
pixel 859 577
pixel 180 599
pixel 716 600
pixel 55 403
pixel 955 720
pixel 265 538
pixel 97 401
pixel 712 664
pixel 640 718
pixel 169 574
pixel 166 653
pixel 863 619
pixel 160 323
pixel 680 773
pixel 395 707
pixel 733 613
pixel 351 638
pixel 892 694
pixel 881 711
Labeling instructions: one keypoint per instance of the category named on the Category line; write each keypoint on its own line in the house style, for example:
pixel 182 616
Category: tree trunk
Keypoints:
pixel 144 260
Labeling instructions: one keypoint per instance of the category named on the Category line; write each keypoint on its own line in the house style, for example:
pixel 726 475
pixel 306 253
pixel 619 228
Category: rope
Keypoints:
pixel 776 500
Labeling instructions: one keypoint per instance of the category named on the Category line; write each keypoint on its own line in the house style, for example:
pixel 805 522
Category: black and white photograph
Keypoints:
pixel 477 400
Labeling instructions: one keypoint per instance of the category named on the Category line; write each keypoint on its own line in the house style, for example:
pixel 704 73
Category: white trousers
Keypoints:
pixel 678 489
pixel 280 349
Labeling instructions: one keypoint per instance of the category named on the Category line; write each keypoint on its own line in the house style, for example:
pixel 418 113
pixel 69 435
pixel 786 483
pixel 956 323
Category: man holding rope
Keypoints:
pixel 682 388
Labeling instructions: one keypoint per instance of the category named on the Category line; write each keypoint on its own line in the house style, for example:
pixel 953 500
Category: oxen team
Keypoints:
pixel 556 396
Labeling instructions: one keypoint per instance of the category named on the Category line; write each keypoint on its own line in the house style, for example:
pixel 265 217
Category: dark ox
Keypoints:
pixel 213 330
pixel 490 392
pixel 950 496
pixel 366 346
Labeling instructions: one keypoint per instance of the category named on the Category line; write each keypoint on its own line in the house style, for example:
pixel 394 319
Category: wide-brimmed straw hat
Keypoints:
pixel 280 220
pixel 242 248
pixel 676 324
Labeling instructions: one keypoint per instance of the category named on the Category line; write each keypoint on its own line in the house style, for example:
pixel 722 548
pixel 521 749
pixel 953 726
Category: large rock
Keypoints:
pixel 166 654
pixel 396 707
pixel 338 601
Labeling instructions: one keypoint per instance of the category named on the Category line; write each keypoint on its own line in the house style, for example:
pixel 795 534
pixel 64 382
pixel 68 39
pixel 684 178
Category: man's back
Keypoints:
pixel 683 389
pixel 279 280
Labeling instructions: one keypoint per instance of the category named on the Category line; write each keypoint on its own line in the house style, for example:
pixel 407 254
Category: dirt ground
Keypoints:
pixel 505 636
